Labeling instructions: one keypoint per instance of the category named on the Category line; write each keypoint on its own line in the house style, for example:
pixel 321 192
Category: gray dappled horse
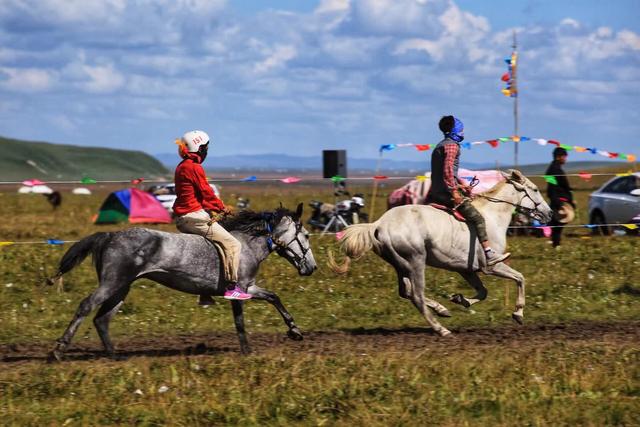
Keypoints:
pixel 187 263
pixel 410 237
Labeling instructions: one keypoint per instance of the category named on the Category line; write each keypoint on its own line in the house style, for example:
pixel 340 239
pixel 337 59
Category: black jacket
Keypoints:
pixel 562 189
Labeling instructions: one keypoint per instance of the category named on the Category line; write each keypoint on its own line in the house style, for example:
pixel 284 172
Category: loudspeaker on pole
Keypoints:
pixel 334 162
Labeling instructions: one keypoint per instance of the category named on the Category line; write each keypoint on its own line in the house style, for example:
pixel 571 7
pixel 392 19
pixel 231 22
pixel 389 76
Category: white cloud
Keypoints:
pixel 278 57
pixel 332 6
pixel 26 79
pixel 102 79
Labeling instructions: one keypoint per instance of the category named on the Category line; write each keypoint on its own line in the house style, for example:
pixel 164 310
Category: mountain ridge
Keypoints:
pixel 20 160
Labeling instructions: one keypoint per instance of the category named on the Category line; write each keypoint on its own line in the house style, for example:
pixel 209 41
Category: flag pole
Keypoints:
pixel 515 100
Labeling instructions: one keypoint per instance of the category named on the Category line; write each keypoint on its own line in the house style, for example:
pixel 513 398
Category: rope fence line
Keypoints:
pixel 293 180
pixel 56 242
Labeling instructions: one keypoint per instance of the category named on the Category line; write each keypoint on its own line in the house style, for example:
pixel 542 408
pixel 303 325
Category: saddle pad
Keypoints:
pixel 457 215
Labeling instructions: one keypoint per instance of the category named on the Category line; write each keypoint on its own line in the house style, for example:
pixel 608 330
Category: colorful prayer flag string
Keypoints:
pixel 540 141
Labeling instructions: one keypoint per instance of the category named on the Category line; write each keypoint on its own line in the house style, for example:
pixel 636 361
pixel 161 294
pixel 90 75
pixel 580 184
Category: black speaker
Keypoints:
pixel 334 162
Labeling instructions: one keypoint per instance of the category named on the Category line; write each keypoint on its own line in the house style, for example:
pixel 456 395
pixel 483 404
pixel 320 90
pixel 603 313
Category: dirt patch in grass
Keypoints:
pixel 352 341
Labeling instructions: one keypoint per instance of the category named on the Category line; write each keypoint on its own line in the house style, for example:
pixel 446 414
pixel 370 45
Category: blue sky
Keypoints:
pixel 297 77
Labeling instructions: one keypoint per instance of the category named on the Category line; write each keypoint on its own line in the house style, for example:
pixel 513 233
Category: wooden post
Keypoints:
pixel 374 193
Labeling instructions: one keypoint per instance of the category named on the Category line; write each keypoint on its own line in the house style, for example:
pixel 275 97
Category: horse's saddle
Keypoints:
pixel 457 215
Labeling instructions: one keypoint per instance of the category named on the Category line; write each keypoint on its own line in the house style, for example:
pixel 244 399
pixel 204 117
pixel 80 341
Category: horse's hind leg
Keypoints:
pixel 481 292
pixel 273 299
pixel 405 289
pixel 503 270
pixel 416 279
pixel 108 309
pixel 99 296
pixel 238 319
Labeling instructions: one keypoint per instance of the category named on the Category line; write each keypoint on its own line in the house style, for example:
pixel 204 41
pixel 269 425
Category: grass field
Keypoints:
pixel 368 358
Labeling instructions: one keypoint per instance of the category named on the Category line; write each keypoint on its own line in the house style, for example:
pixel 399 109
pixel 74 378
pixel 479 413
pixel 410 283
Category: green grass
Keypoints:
pixel 62 162
pixel 564 383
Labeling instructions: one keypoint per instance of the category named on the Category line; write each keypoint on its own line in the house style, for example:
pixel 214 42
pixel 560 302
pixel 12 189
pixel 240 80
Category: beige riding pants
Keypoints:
pixel 200 222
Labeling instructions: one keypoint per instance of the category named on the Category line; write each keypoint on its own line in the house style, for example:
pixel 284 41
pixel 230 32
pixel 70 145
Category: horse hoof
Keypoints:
pixel 294 334
pixel 460 299
pixel 444 332
pixel 245 350
pixel 117 357
pixel 54 356
pixel 443 313
pixel 518 318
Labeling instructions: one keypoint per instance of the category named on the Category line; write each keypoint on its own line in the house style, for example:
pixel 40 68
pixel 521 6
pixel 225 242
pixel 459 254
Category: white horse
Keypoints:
pixel 410 237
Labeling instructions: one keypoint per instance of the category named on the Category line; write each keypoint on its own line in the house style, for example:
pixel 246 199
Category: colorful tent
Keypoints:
pixel 132 205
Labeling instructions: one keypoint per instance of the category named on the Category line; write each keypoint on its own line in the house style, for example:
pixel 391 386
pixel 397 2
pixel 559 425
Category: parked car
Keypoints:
pixel 616 202
pixel 166 194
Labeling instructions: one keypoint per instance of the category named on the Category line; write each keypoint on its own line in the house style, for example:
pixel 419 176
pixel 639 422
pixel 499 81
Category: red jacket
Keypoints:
pixel 193 190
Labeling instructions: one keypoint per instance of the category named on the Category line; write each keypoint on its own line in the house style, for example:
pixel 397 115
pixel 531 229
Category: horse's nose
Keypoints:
pixel 315 267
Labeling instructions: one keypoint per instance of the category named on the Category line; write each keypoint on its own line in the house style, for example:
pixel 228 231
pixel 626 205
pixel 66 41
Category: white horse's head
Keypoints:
pixel 529 199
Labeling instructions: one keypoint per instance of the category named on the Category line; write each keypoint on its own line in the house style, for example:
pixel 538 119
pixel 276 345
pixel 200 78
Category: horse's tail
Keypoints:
pixel 78 252
pixel 357 239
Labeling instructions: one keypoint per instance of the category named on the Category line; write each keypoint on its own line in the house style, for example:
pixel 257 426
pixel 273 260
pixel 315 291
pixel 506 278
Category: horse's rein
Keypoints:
pixel 530 212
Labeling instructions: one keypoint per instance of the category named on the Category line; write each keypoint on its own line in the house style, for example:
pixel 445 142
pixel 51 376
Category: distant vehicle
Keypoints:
pixel 616 202
pixel 166 194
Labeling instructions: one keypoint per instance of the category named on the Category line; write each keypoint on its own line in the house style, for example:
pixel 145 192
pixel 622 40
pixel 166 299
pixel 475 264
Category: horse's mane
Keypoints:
pixel 253 223
pixel 492 192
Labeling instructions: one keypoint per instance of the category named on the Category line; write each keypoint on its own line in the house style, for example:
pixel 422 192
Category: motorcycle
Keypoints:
pixel 330 217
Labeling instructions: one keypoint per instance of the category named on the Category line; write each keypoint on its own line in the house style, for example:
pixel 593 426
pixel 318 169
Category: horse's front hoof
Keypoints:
pixel 245 350
pixel 444 332
pixel 519 319
pixel 460 299
pixel 117 357
pixel 295 334
pixel 54 356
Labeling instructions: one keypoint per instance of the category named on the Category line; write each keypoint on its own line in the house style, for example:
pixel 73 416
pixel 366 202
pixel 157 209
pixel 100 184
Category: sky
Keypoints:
pixel 300 76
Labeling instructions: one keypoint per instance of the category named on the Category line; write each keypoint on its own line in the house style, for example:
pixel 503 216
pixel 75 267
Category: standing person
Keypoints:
pixel 196 205
pixel 449 190
pixel 559 193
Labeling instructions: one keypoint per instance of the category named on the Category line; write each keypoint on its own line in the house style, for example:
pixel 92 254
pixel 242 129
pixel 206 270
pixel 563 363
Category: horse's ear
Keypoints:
pixel 299 210
pixel 517 176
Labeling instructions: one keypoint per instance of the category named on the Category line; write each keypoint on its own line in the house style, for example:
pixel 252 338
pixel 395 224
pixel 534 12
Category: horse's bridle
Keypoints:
pixel 283 249
pixel 533 213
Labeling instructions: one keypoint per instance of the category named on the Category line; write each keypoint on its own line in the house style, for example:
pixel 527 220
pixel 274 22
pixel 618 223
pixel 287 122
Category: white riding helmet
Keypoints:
pixel 194 139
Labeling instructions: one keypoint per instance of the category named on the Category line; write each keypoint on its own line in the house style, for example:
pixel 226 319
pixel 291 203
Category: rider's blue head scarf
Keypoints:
pixel 457 132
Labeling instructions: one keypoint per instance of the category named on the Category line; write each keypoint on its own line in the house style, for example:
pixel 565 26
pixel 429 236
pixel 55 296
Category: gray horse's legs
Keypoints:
pixel 503 270
pixel 87 305
pixel 108 309
pixel 273 299
pixel 238 319
pixel 481 292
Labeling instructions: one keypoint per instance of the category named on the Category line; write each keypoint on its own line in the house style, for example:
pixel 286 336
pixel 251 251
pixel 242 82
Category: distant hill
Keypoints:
pixel 21 160
pixel 283 162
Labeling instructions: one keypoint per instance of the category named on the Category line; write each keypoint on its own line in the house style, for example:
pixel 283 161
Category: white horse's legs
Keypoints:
pixel 416 277
pixel 406 290
pixel 481 292
pixel 503 270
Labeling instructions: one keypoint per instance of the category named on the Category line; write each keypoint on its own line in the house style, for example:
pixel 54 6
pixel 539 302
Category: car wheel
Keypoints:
pixel 597 218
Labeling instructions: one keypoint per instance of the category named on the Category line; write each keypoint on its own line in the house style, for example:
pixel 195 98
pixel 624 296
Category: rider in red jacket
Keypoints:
pixel 194 206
